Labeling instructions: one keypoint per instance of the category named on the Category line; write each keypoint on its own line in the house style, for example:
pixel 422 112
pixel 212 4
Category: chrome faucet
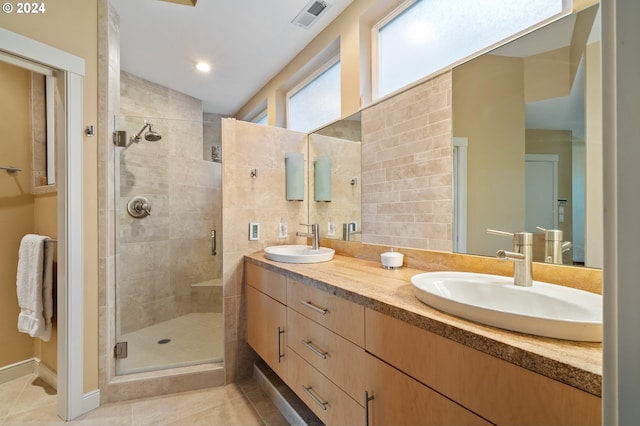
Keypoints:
pixel 553 245
pixel 314 235
pixel 349 229
pixel 521 255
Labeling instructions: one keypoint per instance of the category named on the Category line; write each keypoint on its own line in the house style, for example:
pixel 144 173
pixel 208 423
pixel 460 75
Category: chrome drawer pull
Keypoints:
pixel 280 354
pixel 311 306
pixel 367 398
pixel 316 398
pixel 322 354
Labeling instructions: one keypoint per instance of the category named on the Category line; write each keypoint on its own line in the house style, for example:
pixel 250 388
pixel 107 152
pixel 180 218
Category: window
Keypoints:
pixel 425 36
pixel 316 101
pixel 261 118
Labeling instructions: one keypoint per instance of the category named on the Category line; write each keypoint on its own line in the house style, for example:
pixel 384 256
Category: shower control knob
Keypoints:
pixel 139 207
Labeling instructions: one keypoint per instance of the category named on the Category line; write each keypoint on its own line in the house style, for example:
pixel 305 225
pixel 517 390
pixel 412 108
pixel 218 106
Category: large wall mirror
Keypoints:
pixel 528 114
pixel 38 126
pixel 338 210
pixel 526 120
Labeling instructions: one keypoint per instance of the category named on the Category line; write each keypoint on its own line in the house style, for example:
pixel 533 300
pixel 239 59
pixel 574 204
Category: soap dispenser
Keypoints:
pixel 391 259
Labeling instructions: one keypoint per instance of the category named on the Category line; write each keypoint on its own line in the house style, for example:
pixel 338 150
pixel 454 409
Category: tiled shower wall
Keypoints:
pixel 164 265
pixel 406 156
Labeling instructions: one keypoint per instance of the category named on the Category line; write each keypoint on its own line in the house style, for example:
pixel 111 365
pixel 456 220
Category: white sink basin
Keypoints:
pixel 544 309
pixel 299 254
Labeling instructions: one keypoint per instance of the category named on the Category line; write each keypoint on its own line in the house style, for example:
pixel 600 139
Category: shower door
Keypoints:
pixel 168 253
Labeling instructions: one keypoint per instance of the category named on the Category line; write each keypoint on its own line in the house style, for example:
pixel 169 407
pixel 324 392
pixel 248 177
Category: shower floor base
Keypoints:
pixel 187 340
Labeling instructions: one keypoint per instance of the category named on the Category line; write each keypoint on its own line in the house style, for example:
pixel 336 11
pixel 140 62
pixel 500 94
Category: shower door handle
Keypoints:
pixel 214 244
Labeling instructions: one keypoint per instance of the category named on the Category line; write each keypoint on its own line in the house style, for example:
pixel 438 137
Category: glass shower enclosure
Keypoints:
pixel 168 221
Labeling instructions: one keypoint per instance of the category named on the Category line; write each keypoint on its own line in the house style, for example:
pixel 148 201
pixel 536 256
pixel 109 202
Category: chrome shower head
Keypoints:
pixel 150 135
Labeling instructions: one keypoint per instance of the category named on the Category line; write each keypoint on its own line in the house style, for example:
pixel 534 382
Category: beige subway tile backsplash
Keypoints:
pixel 406 156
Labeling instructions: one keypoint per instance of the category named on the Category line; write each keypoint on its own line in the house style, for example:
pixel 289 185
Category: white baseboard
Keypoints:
pixel 46 374
pixel 19 369
pixel 90 401
pixel 29 366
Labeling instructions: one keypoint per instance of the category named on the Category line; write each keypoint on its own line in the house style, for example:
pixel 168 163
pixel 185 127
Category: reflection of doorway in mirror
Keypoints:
pixel 541 197
pixel 541 192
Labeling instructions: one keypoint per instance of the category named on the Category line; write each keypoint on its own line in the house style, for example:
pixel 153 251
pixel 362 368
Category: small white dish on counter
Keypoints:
pixel 391 259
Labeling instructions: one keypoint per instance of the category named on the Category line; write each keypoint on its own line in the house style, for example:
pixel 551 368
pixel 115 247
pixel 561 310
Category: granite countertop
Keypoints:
pixel 577 364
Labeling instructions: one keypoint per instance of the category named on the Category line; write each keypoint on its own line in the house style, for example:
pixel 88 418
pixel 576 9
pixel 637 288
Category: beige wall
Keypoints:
pixel 20 213
pixel 247 146
pixel 406 168
pixel 496 152
pixel 16 205
pixel 46 223
pixel 71 25
pixel 547 75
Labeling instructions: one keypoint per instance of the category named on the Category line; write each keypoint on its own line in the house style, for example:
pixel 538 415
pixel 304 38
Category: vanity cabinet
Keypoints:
pixel 326 339
pixel 354 365
pixel 267 316
pixel 497 390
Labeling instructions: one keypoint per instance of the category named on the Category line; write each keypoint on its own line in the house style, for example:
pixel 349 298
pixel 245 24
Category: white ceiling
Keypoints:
pixel 246 42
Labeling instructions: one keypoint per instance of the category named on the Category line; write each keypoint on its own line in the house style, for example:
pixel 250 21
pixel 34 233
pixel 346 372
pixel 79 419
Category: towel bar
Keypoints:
pixel 10 169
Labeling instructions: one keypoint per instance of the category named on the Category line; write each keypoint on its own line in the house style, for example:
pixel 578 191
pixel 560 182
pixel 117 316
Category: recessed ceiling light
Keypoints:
pixel 203 66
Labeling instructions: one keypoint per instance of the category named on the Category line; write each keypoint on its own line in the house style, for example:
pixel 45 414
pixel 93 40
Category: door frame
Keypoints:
pixel 459 185
pixel 70 302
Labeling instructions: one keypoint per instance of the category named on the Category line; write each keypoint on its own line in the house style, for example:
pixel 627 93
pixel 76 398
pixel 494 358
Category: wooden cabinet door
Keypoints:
pixel 400 400
pixel 501 392
pixel 266 321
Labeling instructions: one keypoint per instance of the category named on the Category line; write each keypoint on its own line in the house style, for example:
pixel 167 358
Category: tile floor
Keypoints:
pixel 194 339
pixel 30 401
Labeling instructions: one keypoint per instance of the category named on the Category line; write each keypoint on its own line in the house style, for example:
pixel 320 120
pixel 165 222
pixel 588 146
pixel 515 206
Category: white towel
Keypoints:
pixel 34 286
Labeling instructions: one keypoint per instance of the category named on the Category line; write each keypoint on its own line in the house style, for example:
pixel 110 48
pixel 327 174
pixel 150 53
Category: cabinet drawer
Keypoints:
pixel 400 400
pixel 268 282
pixel 339 315
pixel 497 390
pixel 326 400
pixel 335 357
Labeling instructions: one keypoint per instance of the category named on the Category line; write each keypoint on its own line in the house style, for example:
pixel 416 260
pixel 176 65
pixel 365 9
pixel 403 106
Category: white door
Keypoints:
pixel 541 192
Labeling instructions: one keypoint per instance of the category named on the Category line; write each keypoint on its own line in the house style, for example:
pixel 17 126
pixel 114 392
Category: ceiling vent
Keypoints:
pixel 184 2
pixel 310 13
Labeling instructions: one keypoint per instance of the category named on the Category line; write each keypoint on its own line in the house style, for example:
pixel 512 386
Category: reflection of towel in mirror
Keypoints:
pixel 34 286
